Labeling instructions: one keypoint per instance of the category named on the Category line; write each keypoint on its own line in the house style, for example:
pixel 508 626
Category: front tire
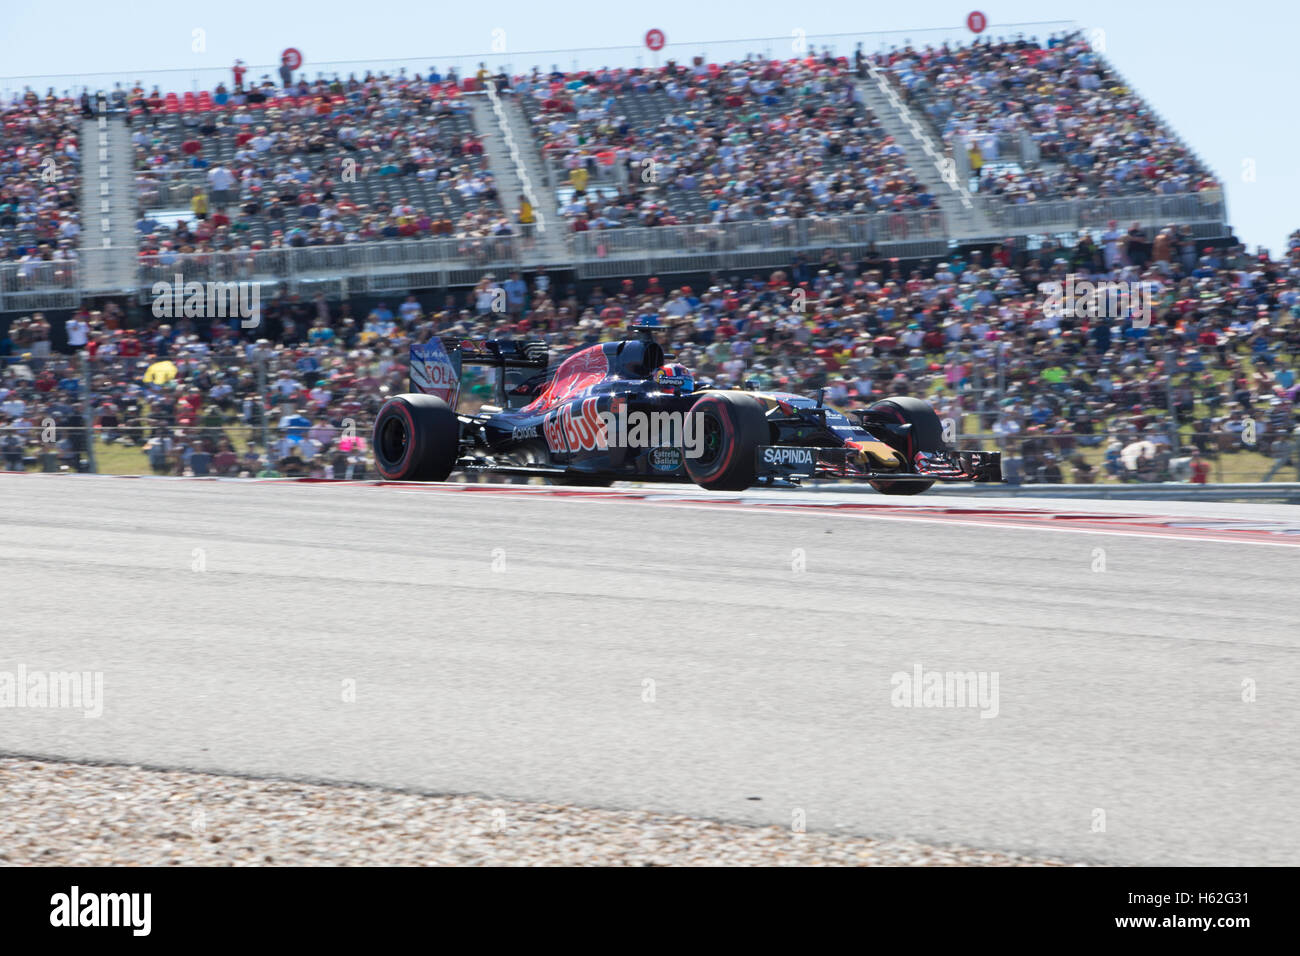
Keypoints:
pixel 926 435
pixel 734 426
pixel 417 438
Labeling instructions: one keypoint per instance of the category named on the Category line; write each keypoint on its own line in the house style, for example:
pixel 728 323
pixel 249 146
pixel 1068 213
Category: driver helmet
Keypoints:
pixel 674 379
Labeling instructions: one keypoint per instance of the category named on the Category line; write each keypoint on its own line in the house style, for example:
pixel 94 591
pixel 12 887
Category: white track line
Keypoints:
pixel 1005 526
pixel 829 510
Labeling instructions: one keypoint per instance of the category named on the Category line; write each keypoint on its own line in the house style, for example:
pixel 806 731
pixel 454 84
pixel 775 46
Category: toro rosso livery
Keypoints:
pixel 620 411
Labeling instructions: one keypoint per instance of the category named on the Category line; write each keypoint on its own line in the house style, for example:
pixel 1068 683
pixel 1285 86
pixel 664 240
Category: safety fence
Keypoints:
pixel 238 440
pixel 321 449
pixel 1237 451
pixel 632 250
pixel 39 284
pixel 1182 208
pixel 361 258
pixel 761 235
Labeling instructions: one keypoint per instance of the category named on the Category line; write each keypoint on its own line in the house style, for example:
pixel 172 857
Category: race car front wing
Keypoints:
pixel 793 462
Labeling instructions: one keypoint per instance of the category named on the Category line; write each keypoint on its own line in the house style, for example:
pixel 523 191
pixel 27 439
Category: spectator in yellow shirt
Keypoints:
pixel 578 180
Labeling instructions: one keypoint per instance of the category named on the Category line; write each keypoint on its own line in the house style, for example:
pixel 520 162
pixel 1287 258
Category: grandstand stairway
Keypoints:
pixel 507 173
pixel 106 245
pixel 964 213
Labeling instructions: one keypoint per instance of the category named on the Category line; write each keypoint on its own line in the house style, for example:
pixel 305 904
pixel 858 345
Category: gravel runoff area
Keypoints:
pixel 67 814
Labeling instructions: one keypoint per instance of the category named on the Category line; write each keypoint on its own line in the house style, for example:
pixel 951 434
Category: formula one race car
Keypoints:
pixel 618 411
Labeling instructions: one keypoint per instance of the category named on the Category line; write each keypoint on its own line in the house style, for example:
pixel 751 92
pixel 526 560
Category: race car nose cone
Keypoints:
pixel 876 454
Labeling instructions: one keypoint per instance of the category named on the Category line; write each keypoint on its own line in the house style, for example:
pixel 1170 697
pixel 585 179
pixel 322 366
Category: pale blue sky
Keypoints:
pixel 1219 73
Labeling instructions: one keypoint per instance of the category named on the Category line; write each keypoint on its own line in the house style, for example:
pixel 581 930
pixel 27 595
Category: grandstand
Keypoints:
pixel 685 167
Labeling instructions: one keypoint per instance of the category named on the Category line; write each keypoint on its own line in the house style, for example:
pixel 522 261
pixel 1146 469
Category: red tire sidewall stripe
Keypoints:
pixel 729 431
pixel 405 463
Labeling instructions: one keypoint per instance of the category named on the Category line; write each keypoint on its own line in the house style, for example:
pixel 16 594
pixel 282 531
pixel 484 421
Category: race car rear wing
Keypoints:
pixel 436 366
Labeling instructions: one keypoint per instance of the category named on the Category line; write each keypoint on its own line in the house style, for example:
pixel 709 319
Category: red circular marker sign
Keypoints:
pixel 655 39
pixel 291 58
pixel 976 21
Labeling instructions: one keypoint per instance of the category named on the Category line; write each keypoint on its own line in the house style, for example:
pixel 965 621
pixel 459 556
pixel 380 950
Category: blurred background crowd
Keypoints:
pixel 1067 397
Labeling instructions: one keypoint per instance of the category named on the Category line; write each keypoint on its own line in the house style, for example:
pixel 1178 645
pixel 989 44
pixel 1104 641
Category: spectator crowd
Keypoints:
pixel 742 141
pixel 323 163
pixel 1092 135
pixel 1068 395
pixel 40 169
pixel 331 161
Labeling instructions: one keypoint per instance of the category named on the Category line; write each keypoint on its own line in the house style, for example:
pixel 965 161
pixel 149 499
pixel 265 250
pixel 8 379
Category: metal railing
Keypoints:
pixel 228 449
pixel 163 447
pixel 39 284
pixel 1205 206
pixel 1052 459
pixel 358 257
pixel 559 170
pixel 269 384
pixel 759 235
pixel 155 191
pixel 38 274
pixel 56 283
pixel 1008 147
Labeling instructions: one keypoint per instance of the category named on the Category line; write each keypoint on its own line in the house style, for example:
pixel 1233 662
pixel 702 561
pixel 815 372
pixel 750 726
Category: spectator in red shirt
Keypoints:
pixel 1200 469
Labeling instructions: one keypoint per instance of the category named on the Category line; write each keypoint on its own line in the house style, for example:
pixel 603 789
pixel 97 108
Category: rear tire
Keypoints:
pixel 417 438
pixel 734 426
pixel 926 435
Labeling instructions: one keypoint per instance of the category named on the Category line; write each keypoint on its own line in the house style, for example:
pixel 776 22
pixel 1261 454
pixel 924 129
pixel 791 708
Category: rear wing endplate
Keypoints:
pixel 436 366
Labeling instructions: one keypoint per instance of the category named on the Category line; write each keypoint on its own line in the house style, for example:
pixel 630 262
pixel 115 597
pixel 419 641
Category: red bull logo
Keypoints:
pixel 584 431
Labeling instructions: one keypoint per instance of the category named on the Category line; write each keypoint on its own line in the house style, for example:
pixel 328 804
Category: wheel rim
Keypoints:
pixel 392 439
pixel 713 433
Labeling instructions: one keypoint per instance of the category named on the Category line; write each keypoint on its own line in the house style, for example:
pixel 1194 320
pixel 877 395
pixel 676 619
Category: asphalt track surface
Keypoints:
pixel 501 641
